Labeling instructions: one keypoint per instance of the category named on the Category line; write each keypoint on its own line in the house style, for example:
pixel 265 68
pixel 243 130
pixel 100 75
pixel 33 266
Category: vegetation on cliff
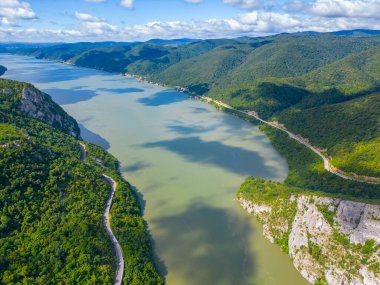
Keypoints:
pixel 330 240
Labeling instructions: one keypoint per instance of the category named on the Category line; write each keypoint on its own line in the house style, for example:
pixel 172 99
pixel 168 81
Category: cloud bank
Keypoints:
pixel 257 18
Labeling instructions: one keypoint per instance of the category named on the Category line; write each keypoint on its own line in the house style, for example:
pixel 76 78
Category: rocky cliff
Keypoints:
pixel 25 98
pixel 40 106
pixel 330 240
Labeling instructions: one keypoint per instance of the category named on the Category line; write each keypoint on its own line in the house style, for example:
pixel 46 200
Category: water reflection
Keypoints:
pixel 135 167
pixel 231 158
pixel 214 253
pixel 121 90
pixel 48 74
pixel 186 130
pixel 164 97
pixel 199 110
pixel 94 138
pixel 70 96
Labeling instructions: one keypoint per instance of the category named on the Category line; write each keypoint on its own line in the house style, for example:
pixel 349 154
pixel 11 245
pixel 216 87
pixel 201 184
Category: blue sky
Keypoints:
pixel 130 20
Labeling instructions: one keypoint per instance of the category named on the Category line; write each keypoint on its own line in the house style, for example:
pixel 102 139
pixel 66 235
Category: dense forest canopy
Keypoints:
pixel 52 203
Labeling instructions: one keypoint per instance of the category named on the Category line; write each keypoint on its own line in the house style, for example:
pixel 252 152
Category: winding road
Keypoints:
pixel 106 220
pixel 326 163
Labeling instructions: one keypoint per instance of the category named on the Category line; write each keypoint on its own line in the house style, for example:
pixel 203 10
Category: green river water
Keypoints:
pixel 187 160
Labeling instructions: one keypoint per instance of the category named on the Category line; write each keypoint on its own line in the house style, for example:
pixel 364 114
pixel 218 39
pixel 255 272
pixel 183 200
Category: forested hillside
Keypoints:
pixel 51 204
pixel 324 87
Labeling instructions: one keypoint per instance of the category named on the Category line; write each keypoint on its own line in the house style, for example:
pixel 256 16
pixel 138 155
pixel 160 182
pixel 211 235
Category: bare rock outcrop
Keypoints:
pixel 331 241
pixel 40 106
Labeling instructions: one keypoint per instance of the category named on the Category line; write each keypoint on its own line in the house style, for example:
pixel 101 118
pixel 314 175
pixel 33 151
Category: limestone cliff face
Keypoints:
pixel 40 106
pixel 331 241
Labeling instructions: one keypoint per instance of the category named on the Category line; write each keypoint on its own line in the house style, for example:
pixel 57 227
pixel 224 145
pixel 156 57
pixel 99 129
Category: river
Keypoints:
pixel 186 159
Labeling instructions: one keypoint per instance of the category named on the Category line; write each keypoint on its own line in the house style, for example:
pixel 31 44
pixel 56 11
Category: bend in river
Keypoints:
pixel 187 160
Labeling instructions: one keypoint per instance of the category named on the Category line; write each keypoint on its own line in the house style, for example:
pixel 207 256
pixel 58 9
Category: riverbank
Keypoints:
pixel 106 221
pixel 123 221
pixel 326 161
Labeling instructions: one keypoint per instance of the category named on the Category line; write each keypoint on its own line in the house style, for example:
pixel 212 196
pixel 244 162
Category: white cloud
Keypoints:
pixel 98 28
pixel 92 25
pixel 255 23
pixel 245 4
pixel 14 9
pixel 10 3
pixel 127 3
pixel 346 8
pixel 269 22
pixel 194 1
pixel 8 22
pixel 87 17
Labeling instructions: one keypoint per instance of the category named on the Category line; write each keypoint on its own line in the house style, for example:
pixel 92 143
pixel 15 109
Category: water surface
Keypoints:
pixel 187 160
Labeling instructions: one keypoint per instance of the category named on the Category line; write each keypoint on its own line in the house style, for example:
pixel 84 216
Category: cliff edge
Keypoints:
pixel 24 97
pixel 330 240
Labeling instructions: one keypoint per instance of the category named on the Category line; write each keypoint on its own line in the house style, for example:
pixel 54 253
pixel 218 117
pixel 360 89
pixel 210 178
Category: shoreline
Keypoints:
pixel 119 272
pixel 328 166
pixel 251 114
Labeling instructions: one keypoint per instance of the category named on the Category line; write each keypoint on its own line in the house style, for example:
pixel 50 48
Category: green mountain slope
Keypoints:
pixel 349 131
pixel 19 96
pixel 52 203
pixel 215 66
pixel 142 58
pixel 354 73
pixel 293 55
pixel 322 86
pixel 336 107
pixel 245 61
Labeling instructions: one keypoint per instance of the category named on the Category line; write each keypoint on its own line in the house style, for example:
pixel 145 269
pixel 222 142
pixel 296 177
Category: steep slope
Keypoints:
pixel 335 107
pixel 284 77
pixel 63 52
pixel 342 113
pixel 51 203
pixel 281 77
pixel 355 148
pixel 143 58
pixel 34 103
pixel 246 60
pixel 293 55
pixel 215 67
pixel 353 74
pixel 331 240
